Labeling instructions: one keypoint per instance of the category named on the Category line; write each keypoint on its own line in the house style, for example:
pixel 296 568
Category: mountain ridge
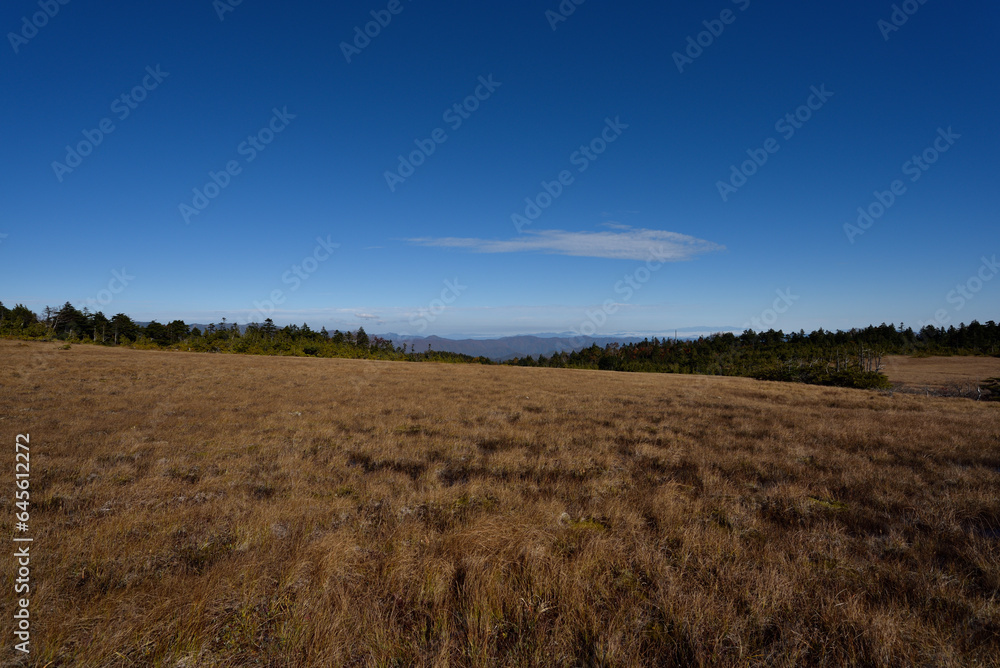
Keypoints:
pixel 507 347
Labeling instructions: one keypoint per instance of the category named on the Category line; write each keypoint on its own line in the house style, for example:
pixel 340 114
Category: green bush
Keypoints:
pixel 863 380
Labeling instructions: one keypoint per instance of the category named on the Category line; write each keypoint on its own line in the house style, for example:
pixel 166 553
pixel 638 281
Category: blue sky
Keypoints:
pixel 632 234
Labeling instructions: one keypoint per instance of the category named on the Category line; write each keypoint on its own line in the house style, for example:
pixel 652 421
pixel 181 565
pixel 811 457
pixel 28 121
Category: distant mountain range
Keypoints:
pixel 504 348
pixel 507 347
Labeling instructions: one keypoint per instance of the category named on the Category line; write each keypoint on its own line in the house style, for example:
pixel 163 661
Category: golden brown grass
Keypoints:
pixel 215 510
pixel 916 373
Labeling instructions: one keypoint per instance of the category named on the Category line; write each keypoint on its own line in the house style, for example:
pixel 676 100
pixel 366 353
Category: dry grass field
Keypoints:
pixel 221 510
pixel 937 373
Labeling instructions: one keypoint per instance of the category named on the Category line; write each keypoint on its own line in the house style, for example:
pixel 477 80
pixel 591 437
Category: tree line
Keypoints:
pixel 846 358
pixel 73 325
pixel 850 358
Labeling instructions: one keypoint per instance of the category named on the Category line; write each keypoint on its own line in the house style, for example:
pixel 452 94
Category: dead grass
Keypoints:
pixel 937 373
pixel 215 510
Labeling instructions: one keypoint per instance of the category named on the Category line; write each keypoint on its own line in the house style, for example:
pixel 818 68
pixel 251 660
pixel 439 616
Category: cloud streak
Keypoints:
pixel 622 243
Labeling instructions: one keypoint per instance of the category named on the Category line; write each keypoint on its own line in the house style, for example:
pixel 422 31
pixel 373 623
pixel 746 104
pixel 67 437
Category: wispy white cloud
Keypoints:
pixel 370 317
pixel 623 243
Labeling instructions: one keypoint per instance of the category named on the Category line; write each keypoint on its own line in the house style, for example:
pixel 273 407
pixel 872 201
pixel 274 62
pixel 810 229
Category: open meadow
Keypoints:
pixel 226 510
pixel 937 374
